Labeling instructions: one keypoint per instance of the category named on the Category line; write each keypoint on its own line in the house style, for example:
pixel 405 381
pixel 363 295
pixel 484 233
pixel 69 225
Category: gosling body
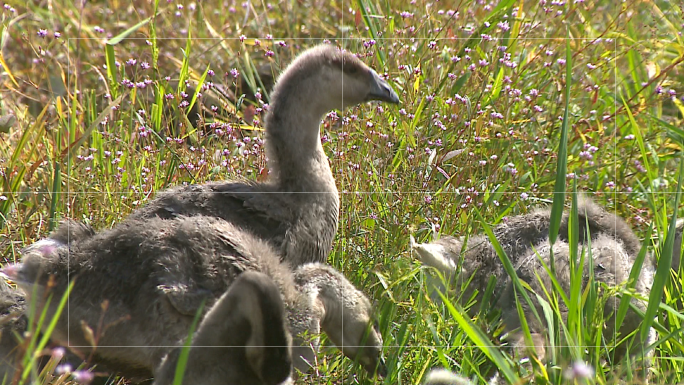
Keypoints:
pixel 139 285
pixel 524 238
pixel 297 208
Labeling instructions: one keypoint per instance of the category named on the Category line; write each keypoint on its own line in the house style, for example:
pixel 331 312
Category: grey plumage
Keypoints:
pixel 613 247
pixel 243 339
pixel 297 208
pixel 12 322
pixel 155 273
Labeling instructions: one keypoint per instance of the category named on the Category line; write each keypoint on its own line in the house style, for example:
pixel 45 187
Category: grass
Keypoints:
pixel 482 133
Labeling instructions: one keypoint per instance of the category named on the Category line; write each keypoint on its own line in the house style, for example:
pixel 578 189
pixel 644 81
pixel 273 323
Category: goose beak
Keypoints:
pixel 381 90
pixel 382 369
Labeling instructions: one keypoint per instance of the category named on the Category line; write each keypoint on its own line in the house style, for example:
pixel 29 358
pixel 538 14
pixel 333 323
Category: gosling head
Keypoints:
pixel 441 254
pixel 324 78
pixel 32 275
pixel 243 339
pixel 347 315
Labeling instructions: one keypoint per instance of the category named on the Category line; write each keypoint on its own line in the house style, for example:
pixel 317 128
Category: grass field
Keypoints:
pixel 503 103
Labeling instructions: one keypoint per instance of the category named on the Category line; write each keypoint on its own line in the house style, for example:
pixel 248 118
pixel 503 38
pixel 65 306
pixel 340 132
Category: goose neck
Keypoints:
pixel 296 157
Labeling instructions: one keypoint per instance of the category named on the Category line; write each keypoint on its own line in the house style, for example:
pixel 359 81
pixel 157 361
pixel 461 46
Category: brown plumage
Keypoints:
pixel 297 208
pixel 243 339
pixel 155 273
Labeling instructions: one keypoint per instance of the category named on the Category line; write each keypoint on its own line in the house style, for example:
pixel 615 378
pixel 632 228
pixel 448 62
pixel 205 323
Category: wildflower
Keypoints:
pixel 83 376
pixel 242 38
pixel 131 62
pixel 145 65
pixel 98 29
pixel 524 196
pixel 428 199
pixel 591 66
pixel 234 73
pixel 64 368
pixel 58 353
pixel 57 34
pixel 579 370
pixel 42 32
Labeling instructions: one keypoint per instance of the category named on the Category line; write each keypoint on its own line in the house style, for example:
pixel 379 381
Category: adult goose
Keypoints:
pixel 137 288
pixel 243 339
pixel 296 209
pixel 614 248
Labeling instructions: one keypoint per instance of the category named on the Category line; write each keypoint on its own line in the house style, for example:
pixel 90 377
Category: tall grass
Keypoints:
pixel 587 92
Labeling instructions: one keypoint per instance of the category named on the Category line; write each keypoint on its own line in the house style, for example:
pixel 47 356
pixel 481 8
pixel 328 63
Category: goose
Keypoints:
pixel 613 247
pixel 243 339
pixel 297 208
pixel 139 285
pixel 516 235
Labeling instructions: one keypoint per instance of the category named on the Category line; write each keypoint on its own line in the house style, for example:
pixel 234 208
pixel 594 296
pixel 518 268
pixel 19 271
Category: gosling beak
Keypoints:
pixel 382 368
pixel 375 366
pixel 381 90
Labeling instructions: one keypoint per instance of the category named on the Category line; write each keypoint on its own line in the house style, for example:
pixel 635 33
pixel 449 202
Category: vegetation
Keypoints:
pixel 503 103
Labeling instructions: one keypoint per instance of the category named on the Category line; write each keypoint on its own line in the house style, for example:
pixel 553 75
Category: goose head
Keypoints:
pixel 441 254
pixel 346 315
pixel 243 339
pixel 324 78
pixel 32 275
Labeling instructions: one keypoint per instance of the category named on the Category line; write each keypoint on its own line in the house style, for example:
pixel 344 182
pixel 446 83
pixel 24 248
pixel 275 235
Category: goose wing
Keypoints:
pixel 248 206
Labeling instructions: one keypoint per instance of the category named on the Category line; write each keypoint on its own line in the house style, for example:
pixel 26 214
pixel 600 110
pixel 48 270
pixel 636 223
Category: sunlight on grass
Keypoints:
pixel 506 106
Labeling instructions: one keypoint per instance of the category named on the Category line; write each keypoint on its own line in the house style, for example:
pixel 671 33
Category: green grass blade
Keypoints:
pixel 185 352
pixel 664 263
pixel 562 165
